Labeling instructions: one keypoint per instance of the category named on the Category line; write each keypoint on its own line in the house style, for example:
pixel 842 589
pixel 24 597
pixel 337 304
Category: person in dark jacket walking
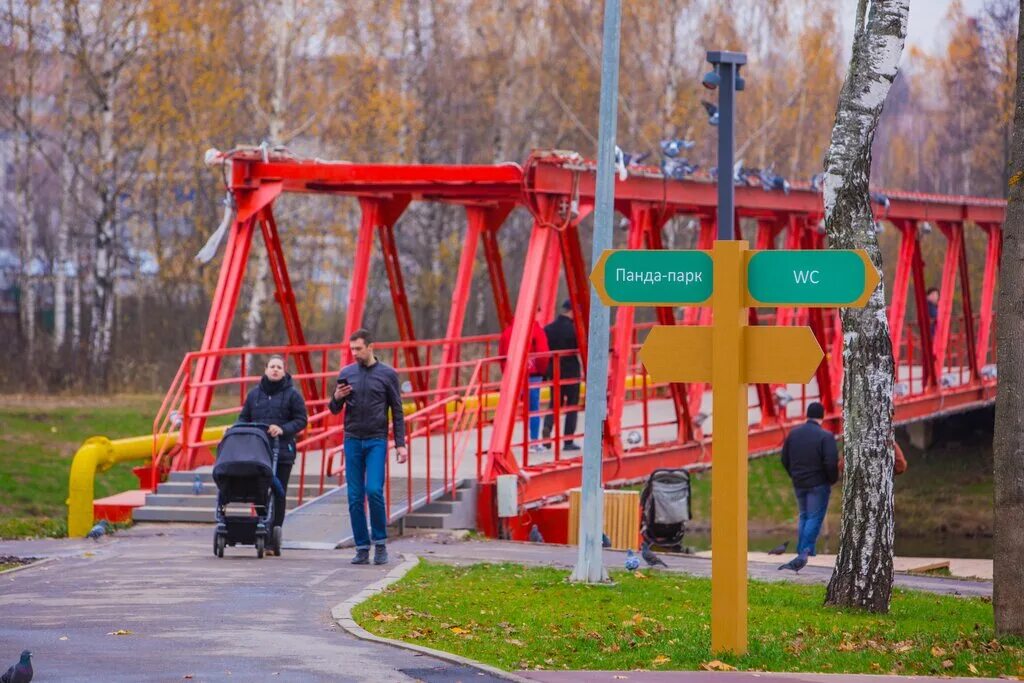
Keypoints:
pixel 277 403
pixel 561 334
pixel 811 459
pixel 368 389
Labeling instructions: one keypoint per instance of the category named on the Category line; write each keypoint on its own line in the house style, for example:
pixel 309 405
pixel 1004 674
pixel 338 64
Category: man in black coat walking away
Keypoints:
pixel 561 334
pixel 368 389
pixel 811 459
pixel 277 403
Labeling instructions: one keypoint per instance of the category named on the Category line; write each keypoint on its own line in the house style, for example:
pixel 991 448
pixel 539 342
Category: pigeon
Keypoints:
pixel 712 111
pixel 770 180
pixel 20 672
pixel 197 485
pixel 535 536
pixel 677 168
pixel 620 164
pixel 650 558
pixel 779 549
pixel 796 564
pixel 882 200
pixel 635 159
pixel 632 561
pixel 817 182
pixel 98 530
pixel 673 148
pixel 605 541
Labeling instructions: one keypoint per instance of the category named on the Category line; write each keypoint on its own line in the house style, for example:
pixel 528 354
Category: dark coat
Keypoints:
pixel 375 390
pixel 277 403
pixel 561 334
pixel 810 456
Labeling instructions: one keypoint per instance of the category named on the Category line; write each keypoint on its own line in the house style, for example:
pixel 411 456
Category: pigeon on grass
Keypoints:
pixel 20 672
pixel 632 561
pixel 650 558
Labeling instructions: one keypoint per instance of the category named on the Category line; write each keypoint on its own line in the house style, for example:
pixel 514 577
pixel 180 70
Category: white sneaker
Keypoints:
pixel 537 448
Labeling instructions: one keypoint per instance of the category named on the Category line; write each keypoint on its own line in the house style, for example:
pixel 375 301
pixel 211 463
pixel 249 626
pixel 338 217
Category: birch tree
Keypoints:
pixel 1008 584
pixel 863 572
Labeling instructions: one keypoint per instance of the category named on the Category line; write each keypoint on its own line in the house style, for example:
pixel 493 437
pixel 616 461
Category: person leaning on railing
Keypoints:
pixel 276 402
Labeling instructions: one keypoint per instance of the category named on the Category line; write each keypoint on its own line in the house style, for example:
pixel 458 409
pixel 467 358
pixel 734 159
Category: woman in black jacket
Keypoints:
pixel 277 403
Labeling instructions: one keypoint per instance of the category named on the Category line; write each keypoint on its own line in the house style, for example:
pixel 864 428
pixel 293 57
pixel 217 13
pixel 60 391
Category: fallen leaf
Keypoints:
pixel 947 663
pixel 414 635
pixel 381 616
pixel 458 631
pixel 973 669
pixel 120 632
pixel 716 665
pixel 638 618
pixel 63 637
pixel 904 646
pixel 938 651
pixel 639 574
pixel 661 659
pixel 187 676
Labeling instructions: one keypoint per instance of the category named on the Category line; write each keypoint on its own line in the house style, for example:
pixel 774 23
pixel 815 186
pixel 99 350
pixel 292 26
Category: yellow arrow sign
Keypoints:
pixel 772 354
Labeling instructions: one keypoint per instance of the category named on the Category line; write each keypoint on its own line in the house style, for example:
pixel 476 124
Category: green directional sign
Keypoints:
pixel 653 277
pixel 815 278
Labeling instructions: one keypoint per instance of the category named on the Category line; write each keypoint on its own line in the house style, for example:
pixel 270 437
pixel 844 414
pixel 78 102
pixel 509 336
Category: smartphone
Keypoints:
pixel 342 382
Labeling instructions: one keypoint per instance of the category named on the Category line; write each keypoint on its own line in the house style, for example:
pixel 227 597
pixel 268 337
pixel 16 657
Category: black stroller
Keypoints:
pixel 244 473
pixel 665 508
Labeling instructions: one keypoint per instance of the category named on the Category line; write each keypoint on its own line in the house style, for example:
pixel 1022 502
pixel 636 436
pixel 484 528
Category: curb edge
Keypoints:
pixel 342 614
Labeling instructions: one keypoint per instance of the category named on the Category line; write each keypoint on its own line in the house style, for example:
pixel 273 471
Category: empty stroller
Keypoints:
pixel 244 473
pixel 665 508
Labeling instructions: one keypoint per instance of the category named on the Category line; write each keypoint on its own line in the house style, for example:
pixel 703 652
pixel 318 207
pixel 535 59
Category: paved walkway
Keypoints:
pixel 240 618
pixel 235 619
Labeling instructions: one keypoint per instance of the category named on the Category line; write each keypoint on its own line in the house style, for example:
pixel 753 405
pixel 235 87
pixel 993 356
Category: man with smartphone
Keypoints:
pixel 368 389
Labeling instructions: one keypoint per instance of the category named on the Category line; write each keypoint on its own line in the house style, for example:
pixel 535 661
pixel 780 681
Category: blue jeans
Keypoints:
pixel 364 474
pixel 535 406
pixel 813 503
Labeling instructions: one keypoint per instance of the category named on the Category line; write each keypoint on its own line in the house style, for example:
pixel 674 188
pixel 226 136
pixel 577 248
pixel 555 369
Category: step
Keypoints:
pixel 426 520
pixel 440 506
pixel 161 513
pixel 179 488
pixel 161 500
pixel 206 475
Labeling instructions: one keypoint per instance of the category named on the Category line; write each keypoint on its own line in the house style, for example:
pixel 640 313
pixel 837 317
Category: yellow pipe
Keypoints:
pixel 99 454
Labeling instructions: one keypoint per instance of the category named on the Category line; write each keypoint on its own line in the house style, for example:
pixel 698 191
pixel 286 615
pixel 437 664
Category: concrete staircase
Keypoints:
pixel 451 511
pixel 175 502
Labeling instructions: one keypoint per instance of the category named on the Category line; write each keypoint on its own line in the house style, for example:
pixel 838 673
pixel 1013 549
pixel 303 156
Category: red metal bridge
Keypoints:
pixel 468 418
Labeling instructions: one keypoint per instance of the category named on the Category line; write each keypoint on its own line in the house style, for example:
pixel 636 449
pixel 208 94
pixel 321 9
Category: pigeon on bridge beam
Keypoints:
pixel 770 180
pixel 20 672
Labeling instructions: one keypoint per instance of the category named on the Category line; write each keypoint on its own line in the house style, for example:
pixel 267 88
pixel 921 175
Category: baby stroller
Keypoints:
pixel 244 473
pixel 665 508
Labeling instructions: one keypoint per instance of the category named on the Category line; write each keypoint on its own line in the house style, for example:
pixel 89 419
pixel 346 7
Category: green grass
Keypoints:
pixel 524 618
pixel 39 437
pixel 10 565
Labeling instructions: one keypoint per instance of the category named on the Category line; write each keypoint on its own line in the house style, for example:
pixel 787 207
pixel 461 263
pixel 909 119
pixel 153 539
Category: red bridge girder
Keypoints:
pixel 558 189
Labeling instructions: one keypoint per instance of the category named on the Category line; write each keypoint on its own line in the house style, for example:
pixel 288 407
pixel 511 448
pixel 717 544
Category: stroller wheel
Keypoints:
pixel 275 541
pixel 260 545
pixel 218 545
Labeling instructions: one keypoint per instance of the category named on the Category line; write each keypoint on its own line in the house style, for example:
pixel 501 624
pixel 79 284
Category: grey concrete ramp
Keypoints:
pixel 324 524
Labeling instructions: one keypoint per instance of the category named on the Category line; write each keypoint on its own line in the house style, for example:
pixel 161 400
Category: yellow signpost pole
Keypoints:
pixel 729 446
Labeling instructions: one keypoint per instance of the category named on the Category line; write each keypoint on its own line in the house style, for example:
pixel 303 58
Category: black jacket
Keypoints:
pixel 810 456
pixel 561 336
pixel 277 403
pixel 375 389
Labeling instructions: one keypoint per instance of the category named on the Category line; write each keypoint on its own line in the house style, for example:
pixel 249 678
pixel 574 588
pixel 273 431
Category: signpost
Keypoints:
pixel 730 354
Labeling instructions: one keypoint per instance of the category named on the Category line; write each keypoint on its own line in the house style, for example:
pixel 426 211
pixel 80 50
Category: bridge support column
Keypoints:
pixel 922 434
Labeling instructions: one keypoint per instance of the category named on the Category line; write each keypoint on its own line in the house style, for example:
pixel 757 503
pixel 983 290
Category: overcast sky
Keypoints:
pixel 926 30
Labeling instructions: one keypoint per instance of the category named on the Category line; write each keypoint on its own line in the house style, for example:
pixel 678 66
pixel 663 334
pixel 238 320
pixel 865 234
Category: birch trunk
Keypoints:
pixel 1008 554
pixel 105 258
pixel 275 130
pixel 22 86
pixel 863 572
pixel 60 304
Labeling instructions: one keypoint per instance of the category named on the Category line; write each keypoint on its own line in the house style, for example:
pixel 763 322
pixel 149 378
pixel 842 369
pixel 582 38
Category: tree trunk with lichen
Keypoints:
pixel 863 572
pixel 1008 446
